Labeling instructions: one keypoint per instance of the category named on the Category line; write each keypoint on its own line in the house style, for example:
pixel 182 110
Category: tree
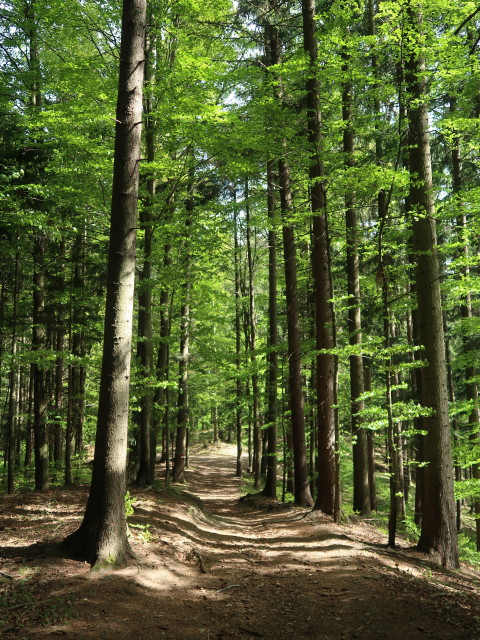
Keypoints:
pixel 300 466
pixel 102 536
pixel 438 535
pixel 181 440
pixel 324 317
pixel 270 489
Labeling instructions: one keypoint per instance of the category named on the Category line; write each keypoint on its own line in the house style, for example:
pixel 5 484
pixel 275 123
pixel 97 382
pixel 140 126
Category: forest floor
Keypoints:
pixel 211 567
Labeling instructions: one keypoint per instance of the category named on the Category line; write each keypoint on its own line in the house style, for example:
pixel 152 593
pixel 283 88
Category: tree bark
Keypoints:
pixel 438 534
pixel 324 317
pixel 59 366
pixel 301 483
pixel 76 376
pixel 238 355
pixel 78 341
pixel 370 446
pixel 102 536
pixel 145 473
pixel 467 317
pixel 361 491
pixel 29 445
pixel 182 402
pixel 160 398
pixel 270 489
pixel 13 386
pixel 39 382
pixel 252 347
pixel 300 467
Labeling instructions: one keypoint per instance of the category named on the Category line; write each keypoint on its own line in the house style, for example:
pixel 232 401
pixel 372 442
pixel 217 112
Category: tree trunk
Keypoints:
pixel 438 534
pixel 145 473
pixel 59 366
pixel 13 387
pixel 300 466
pixel 160 398
pixel 393 453
pixel 238 356
pixel 78 341
pixel 102 536
pixel 370 445
pixel 252 347
pixel 302 493
pixel 182 402
pixel 451 398
pixel 39 392
pixel 270 489
pixel 361 491
pixel 324 318
pixel 68 480
pixel 76 377
pixel 214 420
pixel 29 445
pixel 467 317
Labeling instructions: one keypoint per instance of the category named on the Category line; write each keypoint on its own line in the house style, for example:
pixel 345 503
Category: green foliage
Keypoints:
pixel 142 532
pixel 467 549
pixel 129 500
pixel 467 489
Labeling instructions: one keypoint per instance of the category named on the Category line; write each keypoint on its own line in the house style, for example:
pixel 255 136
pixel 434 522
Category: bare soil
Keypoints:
pixel 211 567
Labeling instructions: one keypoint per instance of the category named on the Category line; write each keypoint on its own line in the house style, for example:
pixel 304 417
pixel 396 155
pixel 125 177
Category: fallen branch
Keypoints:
pixel 230 586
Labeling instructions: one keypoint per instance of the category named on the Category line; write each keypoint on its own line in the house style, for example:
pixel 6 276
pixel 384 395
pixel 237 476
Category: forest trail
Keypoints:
pixel 209 567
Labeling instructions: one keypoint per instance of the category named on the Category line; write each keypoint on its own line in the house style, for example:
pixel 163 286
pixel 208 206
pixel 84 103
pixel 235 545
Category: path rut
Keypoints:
pixel 210 567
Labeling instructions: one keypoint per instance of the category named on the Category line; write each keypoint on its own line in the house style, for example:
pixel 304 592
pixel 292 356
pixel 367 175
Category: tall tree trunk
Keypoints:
pixel 252 347
pixel 160 398
pixel 68 479
pixel 38 345
pixel 182 402
pixel 370 445
pixel 361 491
pixel 301 487
pixel 59 366
pixel 451 398
pixel 270 489
pixel 246 335
pixel 102 536
pixel 13 387
pixel 238 355
pixel 300 467
pixel 467 317
pixel 145 473
pixel 59 372
pixel 29 426
pixel 413 330
pixel 393 452
pixel 214 421
pixel 438 534
pixel 324 317
pixel 76 375
pixel 78 341
pixel 39 332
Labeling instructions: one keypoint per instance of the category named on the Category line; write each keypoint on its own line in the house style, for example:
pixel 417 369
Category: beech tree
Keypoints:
pixel 438 522
pixel 102 536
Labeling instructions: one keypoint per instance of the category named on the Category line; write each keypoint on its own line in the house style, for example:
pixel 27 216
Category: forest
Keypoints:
pixel 249 227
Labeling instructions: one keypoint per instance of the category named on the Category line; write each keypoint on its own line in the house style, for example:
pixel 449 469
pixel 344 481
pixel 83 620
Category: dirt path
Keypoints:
pixel 211 568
